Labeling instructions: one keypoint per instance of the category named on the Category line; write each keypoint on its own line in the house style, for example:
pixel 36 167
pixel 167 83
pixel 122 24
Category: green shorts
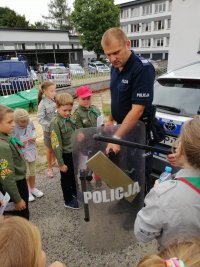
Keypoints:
pixel 30 168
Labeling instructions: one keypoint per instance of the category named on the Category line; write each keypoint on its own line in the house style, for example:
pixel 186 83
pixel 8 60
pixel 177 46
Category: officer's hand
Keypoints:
pixel 32 140
pixel 21 205
pixel 63 168
pixel 176 159
pixel 112 147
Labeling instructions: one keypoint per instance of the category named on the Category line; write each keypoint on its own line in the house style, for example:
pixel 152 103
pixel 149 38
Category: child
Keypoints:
pixel 178 254
pixel 20 244
pixel 25 132
pixel 172 207
pixel 12 164
pixel 47 111
pixel 62 128
pixel 86 116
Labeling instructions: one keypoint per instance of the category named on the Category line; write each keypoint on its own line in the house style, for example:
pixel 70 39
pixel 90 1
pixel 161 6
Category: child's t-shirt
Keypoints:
pixel 86 117
pixel 25 134
pixel 61 131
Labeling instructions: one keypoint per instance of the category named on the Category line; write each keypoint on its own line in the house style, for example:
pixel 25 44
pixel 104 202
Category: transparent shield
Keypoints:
pixel 110 187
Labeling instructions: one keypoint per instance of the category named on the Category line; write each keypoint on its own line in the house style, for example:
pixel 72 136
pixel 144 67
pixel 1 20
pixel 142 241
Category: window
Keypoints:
pixel 159 25
pixel 125 28
pixel 146 42
pixel 135 43
pixel 167 41
pixel 158 42
pixel 169 24
pixel 146 10
pixel 160 7
pixel 18 46
pixel 146 27
pixel 1 47
pixel 124 14
pixel 170 5
pixel 40 45
pixel 135 27
pixel 135 12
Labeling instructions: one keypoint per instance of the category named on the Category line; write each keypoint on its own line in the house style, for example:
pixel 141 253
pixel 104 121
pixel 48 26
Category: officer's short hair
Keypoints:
pixel 115 33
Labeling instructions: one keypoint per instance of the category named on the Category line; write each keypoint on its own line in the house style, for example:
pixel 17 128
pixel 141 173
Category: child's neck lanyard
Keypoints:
pixel 92 110
pixel 16 143
pixel 71 121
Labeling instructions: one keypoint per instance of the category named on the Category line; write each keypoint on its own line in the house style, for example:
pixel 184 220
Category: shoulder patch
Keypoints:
pixel 4 170
pixel 54 140
pixel 164 187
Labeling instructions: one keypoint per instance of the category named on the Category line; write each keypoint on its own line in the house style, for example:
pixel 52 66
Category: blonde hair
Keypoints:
pixel 44 86
pixel 20 243
pixel 113 33
pixel 190 141
pixel 64 99
pixel 4 110
pixel 21 114
pixel 187 251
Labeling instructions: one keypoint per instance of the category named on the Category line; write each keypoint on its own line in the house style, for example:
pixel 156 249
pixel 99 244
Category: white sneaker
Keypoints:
pixel 30 197
pixel 36 192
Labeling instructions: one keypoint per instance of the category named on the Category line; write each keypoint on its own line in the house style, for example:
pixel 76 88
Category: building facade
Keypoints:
pixel 147 24
pixel 41 46
pixel 185 33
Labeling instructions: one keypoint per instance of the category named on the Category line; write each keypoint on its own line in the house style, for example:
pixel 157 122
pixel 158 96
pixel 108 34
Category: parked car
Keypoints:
pixel 76 70
pixel 14 76
pixel 177 98
pixel 98 67
pixel 58 74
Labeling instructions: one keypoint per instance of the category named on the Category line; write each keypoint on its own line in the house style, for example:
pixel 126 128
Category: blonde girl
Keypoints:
pixel 25 131
pixel 172 207
pixel 20 244
pixel 46 112
pixel 178 254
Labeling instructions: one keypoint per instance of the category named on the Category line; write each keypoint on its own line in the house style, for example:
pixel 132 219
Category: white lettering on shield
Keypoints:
pixel 105 196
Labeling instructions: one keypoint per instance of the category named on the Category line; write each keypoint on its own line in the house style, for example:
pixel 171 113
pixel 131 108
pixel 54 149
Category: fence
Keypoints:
pixel 14 85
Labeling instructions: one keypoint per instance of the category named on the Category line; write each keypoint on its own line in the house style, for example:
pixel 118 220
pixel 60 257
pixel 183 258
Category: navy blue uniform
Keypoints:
pixel 132 85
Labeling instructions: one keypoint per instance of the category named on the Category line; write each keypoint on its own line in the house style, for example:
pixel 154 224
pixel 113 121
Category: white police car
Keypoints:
pixel 177 98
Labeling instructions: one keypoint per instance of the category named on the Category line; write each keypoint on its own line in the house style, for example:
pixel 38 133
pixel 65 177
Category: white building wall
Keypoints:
pixel 185 33
pixel 26 36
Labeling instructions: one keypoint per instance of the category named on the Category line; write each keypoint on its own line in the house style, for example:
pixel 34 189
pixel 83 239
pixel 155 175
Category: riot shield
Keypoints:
pixel 110 187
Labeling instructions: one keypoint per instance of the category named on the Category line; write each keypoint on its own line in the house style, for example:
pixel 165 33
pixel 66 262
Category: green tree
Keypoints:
pixel 91 19
pixel 59 15
pixel 10 19
pixel 39 25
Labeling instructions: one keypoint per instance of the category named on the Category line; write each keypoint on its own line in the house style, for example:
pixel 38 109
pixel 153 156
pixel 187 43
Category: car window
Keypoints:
pixel 75 67
pixel 58 71
pixel 100 65
pixel 178 93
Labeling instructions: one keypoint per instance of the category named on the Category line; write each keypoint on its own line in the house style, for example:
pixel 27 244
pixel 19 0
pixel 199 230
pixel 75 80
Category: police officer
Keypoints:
pixel 131 86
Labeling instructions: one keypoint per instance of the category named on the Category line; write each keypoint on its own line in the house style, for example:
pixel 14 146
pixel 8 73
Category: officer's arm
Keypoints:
pixel 56 142
pixel 130 120
pixel 148 224
pixel 7 173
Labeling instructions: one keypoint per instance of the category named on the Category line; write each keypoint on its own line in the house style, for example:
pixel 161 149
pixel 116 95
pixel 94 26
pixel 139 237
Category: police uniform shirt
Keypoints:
pixel 132 85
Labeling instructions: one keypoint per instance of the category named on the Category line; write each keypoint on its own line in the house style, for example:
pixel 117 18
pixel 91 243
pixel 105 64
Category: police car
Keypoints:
pixel 177 98
pixel 57 73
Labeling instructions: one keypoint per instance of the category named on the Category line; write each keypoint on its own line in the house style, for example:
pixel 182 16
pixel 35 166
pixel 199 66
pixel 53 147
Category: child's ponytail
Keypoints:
pixel 40 94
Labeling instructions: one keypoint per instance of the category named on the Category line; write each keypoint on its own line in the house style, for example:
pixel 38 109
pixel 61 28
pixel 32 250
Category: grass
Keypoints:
pixel 106 109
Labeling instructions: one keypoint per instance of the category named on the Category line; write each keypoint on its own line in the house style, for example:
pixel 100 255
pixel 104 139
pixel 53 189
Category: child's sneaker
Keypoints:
pixel 50 173
pixel 30 197
pixel 36 192
pixel 73 204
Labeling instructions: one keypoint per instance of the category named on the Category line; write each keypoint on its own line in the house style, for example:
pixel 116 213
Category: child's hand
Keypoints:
pixel 63 168
pixel 25 142
pixel 21 205
pixel 32 140
pixel 80 137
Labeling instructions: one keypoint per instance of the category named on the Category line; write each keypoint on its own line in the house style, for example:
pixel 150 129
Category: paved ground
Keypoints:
pixel 60 227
